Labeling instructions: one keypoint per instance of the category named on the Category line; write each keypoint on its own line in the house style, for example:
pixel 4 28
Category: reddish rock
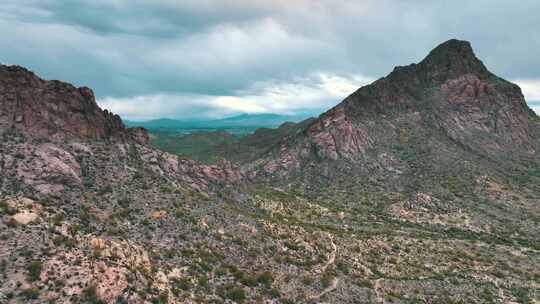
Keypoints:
pixel 110 284
pixel 483 116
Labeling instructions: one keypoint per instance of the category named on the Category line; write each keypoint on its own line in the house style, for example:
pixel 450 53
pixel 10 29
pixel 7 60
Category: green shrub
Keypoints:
pixel 181 283
pixel 274 293
pixel 327 279
pixel 34 270
pixel 11 223
pixel 57 219
pixel 203 281
pixel 30 293
pixel 365 283
pixel 307 280
pixel 343 267
pixel 236 294
pixel 106 189
pixel 90 296
pixel 249 281
pixel 5 208
pixel 265 278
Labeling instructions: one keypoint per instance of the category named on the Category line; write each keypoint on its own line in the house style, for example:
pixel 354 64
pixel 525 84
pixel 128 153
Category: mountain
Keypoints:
pixel 450 97
pixel 422 187
pixel 250 121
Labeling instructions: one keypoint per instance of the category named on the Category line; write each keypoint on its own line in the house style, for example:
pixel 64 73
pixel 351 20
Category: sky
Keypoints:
pixel 191 59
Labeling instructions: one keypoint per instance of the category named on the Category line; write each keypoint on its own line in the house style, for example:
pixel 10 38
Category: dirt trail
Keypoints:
pixel 332 258
pixel 376 287
pixel 332 287
pixel 335 281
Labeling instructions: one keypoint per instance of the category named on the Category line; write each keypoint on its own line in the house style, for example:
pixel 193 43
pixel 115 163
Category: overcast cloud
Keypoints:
pixel 201 58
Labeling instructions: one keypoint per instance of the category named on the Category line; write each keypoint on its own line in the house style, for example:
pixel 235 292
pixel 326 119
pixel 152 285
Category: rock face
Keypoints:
pixel 53 110
pixel 450 91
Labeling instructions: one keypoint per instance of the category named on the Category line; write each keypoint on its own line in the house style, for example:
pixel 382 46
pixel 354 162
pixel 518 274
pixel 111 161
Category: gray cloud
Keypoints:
pixel 196 51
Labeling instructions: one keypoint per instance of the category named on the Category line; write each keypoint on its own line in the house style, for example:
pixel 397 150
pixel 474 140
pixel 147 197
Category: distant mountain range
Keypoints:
pixel 240 121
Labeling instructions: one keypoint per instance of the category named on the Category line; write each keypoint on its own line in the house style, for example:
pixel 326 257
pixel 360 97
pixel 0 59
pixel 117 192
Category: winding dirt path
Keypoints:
pixel 335 281
pixel 332 287
pixel 376 287
pixel 332 258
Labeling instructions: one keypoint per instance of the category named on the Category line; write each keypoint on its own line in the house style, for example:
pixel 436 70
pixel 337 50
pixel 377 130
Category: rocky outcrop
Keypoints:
pixel 54 110
pixel 195 175
pixel 483 115
pixel 45 167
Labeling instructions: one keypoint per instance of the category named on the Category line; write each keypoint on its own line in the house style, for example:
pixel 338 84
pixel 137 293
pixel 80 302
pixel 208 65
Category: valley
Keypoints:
pixel 422 187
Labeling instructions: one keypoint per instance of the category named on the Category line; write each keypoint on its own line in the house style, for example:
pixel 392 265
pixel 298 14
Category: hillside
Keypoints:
pixel 422 187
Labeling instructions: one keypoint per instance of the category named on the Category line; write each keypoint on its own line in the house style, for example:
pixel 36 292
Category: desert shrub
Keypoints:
pixel 6 209
pixel 292 246
pixel 163 298
pixel 236 294
pixel 90 296
pixel 365 283
pixel 30 293
pixel 203 281
pixel 248 280
pixel 326 279
pixel 34 270
pixel 124 202
pixel 265 278
pixel 11 223
pixel 343 267
pixel 307 280
pixel 181 284
pixel 205 266
pixel 274 293
pixel 522 294
pixel 3 266
pixel 62 240
pixel 57 219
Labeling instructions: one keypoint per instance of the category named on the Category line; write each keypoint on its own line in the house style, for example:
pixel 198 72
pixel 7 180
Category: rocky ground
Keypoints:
pixel 136 234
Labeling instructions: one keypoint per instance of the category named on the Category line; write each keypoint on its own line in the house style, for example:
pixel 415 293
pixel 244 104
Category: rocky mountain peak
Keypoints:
pixel 55 110
pixel 451 59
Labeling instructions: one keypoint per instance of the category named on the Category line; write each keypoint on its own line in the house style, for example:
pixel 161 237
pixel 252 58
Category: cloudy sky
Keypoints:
pixel 212 58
